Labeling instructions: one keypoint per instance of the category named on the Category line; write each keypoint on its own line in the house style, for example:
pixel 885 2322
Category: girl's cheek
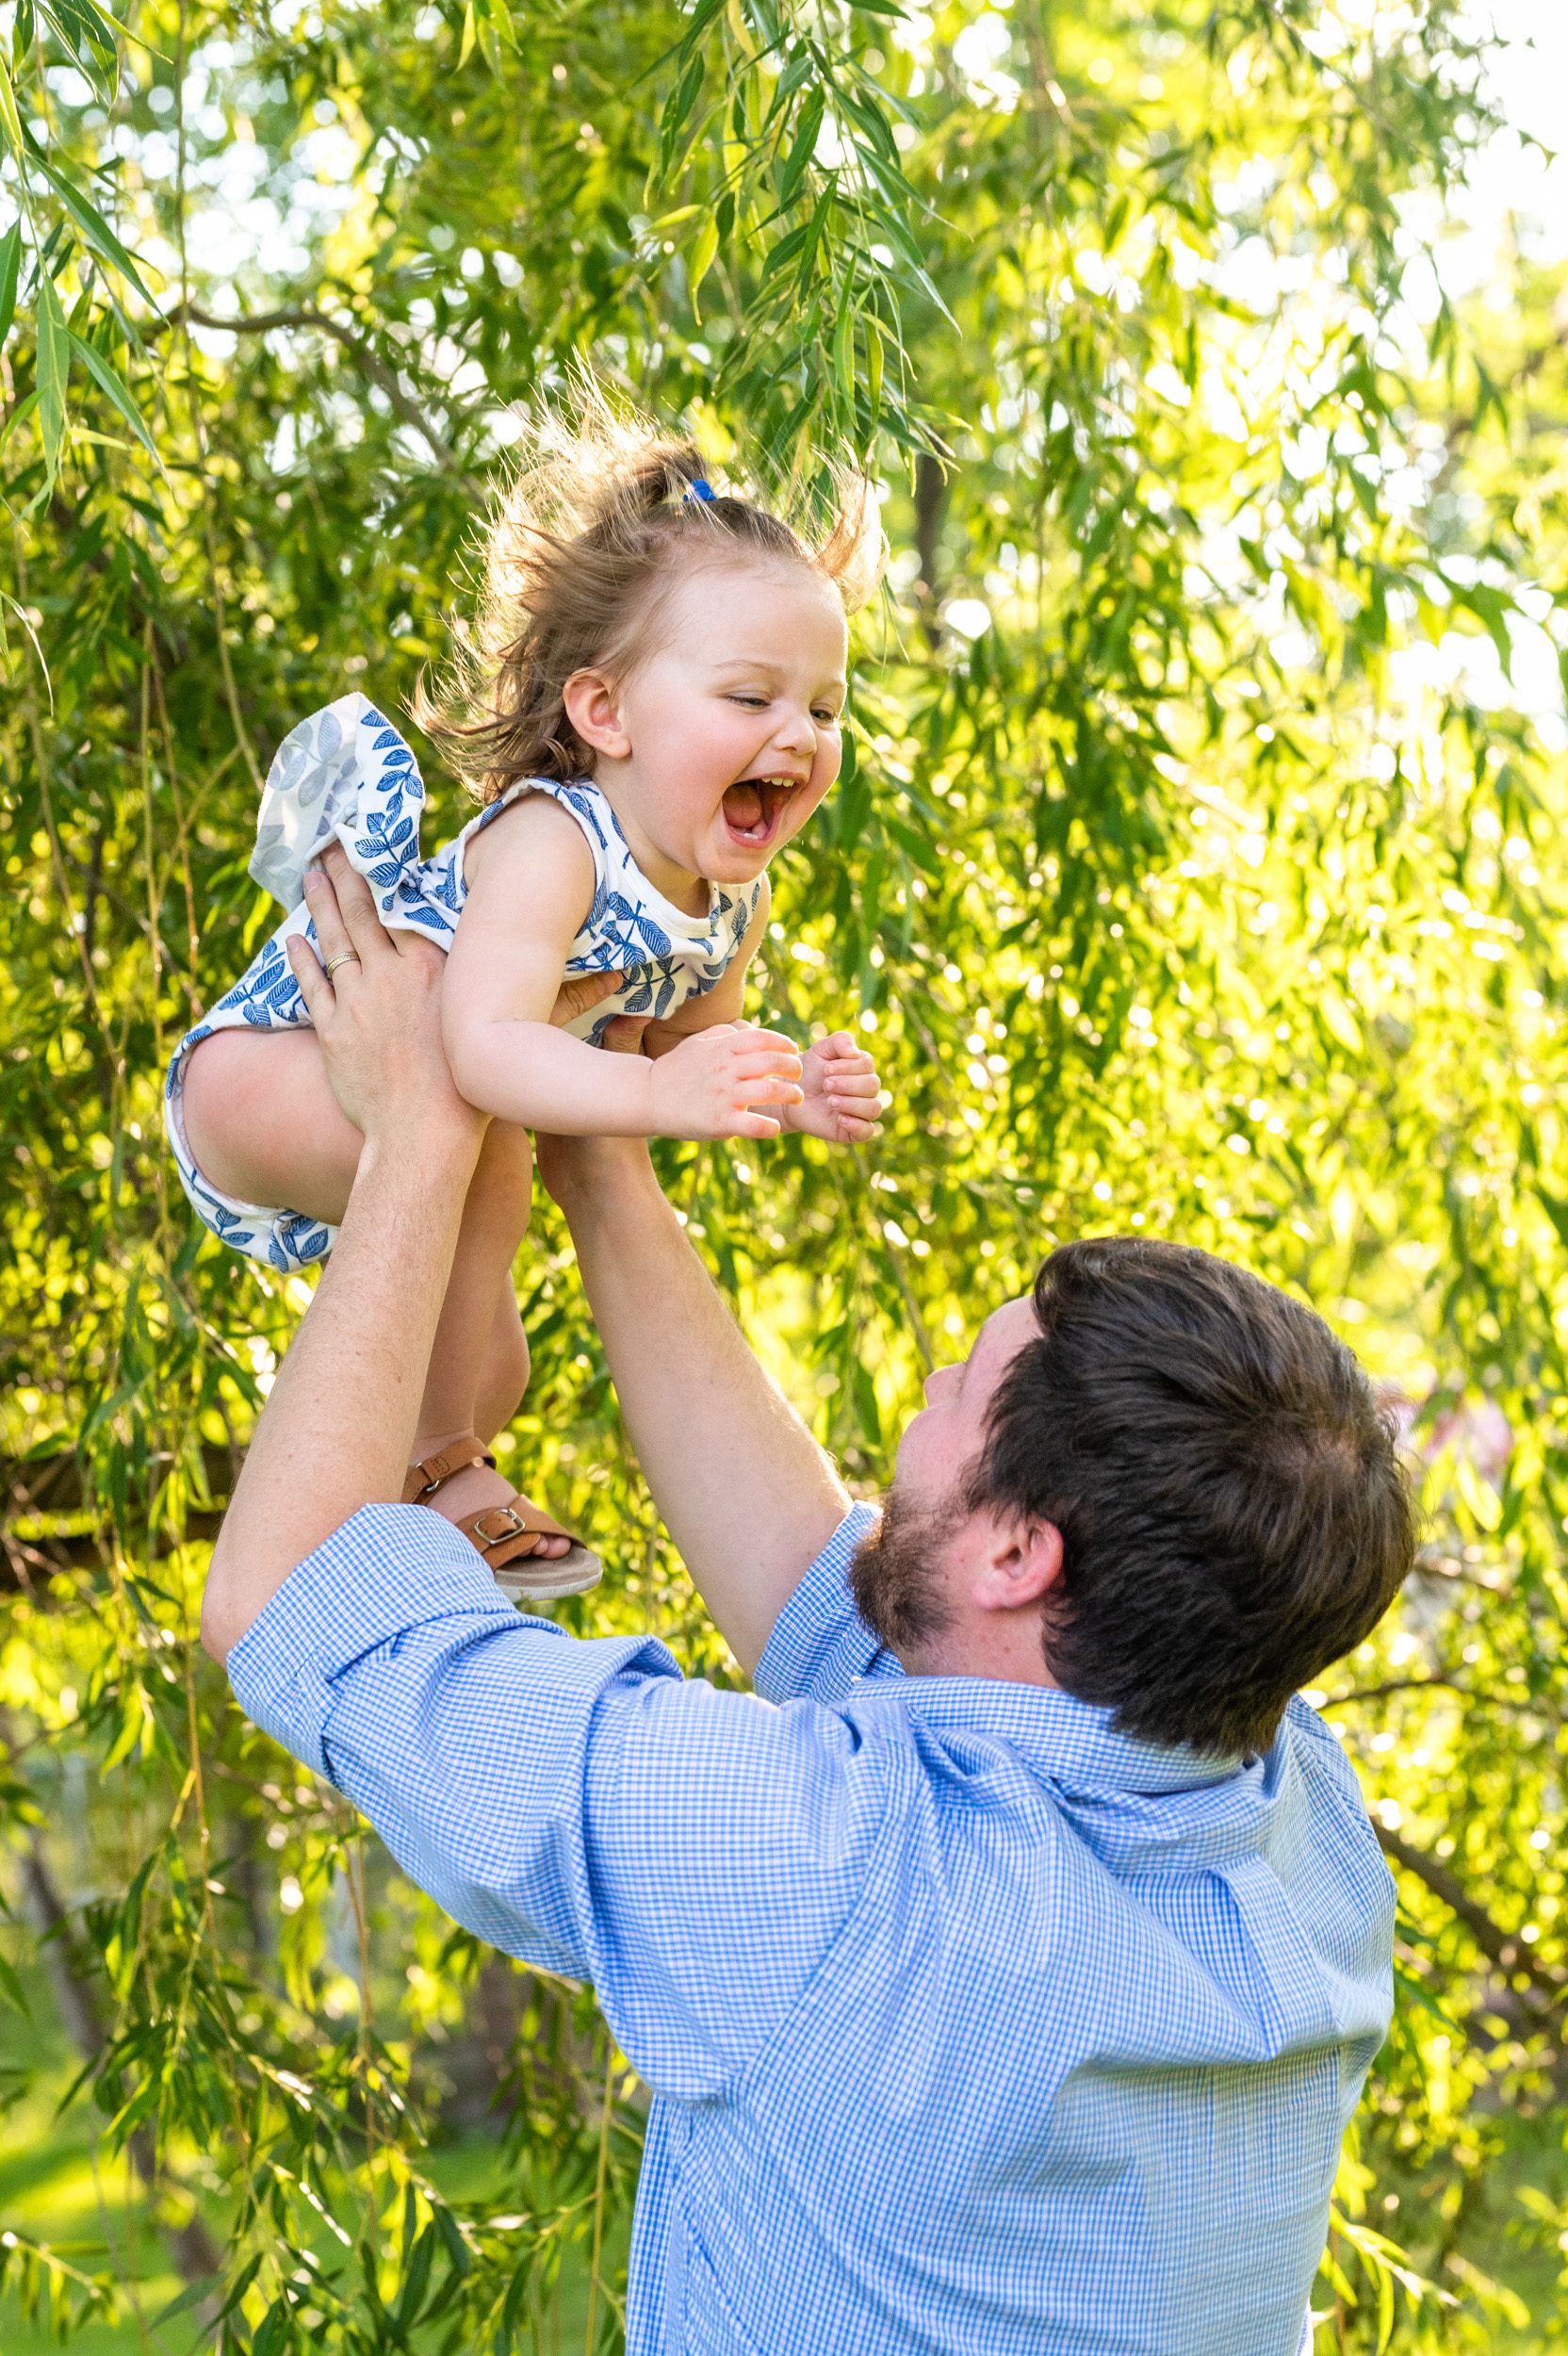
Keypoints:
pixel 810 802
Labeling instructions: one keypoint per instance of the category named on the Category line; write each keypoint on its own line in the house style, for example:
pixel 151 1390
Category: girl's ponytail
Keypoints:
pixel 663 475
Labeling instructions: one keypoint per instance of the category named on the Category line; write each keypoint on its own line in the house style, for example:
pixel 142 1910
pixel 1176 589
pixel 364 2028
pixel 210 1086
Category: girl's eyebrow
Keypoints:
pixel 769 669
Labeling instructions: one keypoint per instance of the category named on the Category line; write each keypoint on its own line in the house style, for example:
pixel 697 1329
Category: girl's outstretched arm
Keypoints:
pixel 531 884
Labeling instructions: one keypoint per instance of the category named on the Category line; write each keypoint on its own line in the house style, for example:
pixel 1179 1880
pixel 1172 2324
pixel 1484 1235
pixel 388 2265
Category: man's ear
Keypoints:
pixel 593 705
pixel 1019 1565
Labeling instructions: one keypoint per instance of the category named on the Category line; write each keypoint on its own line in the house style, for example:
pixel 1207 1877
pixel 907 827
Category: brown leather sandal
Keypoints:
pixel 501 1534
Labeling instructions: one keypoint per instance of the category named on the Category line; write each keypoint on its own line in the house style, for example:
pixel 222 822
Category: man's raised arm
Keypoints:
pixel 746 1494
pixel 336 1428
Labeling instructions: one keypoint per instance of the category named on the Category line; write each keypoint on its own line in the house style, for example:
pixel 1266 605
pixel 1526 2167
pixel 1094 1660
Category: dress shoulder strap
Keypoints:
pixel 581 797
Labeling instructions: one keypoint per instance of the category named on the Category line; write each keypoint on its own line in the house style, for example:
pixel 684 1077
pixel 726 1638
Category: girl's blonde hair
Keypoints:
pixel 598 520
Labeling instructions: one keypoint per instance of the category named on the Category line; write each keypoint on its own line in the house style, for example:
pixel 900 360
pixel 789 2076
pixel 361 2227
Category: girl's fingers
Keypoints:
pixel 852 1083
pixel 763 1047
pixel 756 1067
pixel 773 1091
pixel 756 1125
pixel 748 1035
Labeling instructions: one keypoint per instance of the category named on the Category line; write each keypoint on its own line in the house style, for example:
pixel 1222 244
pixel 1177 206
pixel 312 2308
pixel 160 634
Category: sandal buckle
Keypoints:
pixel 446 1468
pixel 513 1525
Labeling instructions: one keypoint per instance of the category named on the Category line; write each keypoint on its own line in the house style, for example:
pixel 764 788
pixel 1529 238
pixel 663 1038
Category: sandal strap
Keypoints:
pixel 498 1529
pixel 422 1480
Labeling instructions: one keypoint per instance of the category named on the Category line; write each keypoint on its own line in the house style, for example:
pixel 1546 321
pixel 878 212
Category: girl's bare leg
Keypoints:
pixel 504 1371
pixel 264 1125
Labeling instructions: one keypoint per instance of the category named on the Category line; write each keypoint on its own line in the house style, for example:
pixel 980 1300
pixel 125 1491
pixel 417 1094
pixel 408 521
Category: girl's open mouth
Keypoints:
pixel 752 810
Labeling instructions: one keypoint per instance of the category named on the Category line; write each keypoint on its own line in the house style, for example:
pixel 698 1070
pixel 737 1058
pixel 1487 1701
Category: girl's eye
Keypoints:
pixel 752 703
pixel 826 714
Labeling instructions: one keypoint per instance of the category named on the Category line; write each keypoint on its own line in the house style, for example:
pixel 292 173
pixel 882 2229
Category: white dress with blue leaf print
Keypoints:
pixel 347 773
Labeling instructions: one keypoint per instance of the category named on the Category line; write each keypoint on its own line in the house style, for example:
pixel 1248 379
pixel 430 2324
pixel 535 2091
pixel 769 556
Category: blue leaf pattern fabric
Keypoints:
pixel 346 774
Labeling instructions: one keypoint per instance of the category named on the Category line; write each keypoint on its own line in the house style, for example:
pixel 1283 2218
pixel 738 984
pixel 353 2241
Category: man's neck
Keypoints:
pixel 1011 1655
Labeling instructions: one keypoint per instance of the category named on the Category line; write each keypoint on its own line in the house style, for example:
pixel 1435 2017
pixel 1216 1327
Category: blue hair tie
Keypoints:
pixel 700 489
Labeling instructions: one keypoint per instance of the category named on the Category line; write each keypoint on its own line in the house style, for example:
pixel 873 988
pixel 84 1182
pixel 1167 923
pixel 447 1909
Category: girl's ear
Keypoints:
pixel 593 705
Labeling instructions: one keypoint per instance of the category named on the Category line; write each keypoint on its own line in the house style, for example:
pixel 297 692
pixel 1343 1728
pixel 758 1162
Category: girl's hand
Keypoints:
pixel 714 1084
pixel 840 1093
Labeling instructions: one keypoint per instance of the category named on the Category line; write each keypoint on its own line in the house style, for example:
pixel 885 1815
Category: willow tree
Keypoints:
pixel 1194 866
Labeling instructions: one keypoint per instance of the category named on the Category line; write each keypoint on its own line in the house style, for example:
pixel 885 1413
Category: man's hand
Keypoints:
pixel 716 1083
pixel 580 992
pixel 840 1095
pixel 377 1018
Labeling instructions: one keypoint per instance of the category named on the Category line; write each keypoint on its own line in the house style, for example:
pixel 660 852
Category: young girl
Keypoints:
pixel 651 711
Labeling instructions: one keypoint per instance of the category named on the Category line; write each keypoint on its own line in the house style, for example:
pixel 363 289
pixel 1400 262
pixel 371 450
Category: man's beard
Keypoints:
pixel 896 1573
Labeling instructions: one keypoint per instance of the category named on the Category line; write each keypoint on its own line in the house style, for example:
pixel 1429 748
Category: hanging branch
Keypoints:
pixel 365 357
pixel 1502 1948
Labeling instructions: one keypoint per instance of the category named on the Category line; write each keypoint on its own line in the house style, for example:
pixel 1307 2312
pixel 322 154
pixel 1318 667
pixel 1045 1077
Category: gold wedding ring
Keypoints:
pixel 344 956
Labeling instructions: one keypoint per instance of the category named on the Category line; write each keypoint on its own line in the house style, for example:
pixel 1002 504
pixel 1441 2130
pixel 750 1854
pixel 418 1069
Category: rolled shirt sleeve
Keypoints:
pixel 575 1803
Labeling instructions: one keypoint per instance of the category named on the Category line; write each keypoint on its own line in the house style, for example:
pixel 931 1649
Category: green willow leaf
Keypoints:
pixel 54 365
pixel 90 222
pixel 705 247
pixel 89 32
pixel 802 147
pixel 110 383
pixel 11 264
pixel 11 121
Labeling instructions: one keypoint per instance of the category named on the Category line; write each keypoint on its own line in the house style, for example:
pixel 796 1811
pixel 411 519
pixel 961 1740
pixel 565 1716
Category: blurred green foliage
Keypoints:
pixel 1194 870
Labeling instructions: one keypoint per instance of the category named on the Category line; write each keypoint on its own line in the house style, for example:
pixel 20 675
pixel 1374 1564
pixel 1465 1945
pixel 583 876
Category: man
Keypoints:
pixel 1007 1966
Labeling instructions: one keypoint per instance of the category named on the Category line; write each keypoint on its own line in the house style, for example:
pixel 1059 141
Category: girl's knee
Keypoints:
pixel 263 1124
pixel 218 1103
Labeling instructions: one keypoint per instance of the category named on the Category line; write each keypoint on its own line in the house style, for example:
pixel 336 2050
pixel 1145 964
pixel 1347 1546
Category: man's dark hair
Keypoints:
pixel 1232 1510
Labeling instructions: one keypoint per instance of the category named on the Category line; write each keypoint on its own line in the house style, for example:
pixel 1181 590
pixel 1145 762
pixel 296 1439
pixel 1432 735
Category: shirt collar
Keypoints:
pixel 1054 1734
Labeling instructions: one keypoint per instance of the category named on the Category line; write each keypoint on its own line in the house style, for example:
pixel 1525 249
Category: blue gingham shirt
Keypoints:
pixel 973 2025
